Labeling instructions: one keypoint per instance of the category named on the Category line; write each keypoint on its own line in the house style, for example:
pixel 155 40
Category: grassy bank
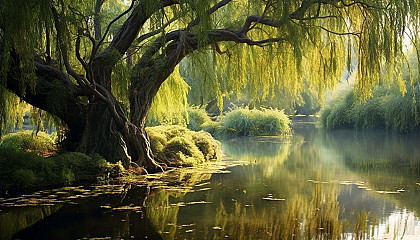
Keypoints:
pixel 24 165
pixel 30 161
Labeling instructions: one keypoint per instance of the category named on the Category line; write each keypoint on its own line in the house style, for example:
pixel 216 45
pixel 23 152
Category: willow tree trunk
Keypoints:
pixel 126 143
pixel 102 136
pixel 108 130
pixel 142 94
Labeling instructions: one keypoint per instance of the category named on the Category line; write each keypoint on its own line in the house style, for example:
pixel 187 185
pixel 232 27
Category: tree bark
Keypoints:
pixel 101 135
pixel 108 131
pixel 97 19
pixel 116 141
pixel 71 110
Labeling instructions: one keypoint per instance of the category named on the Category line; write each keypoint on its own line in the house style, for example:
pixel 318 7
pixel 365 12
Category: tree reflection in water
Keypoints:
pixel 319 218
pixel 312 185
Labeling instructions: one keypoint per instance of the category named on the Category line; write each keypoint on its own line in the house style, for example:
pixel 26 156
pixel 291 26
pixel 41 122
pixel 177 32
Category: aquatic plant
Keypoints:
pixel 30 141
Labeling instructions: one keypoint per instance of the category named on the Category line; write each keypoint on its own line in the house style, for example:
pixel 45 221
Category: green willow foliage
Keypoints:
pixel 306 40
pixel 19 29
pixel 24 29
pixel 393 105
pixel 11 110
pixel 170 105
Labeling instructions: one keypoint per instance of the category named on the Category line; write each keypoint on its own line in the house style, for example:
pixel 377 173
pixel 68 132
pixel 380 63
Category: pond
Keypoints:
pixel 313 184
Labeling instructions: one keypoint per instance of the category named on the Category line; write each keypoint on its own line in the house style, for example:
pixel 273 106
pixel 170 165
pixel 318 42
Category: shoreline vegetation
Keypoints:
pixel 388 109
pixel 241 122
pixel 392 106
pixel 31 161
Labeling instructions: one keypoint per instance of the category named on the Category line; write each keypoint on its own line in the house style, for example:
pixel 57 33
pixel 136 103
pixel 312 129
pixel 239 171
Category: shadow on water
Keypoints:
pixel 97 212
pixel 108 212
pixel 310 185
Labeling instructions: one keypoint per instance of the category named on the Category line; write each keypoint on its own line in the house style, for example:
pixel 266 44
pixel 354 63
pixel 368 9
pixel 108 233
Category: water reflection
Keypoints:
pixel 319 218
pixel 310 185
pixel 98 212
pixel 12 221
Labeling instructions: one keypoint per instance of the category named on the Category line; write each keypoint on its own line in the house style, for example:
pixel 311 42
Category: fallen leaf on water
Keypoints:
pixel 188 225
pixel 273 199
pixel 202 184
pixel 199 202
pixel 200 190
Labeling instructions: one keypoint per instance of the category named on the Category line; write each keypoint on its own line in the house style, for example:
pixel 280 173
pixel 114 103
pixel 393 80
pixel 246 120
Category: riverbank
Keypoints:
pixel 27 165
pixel 24 172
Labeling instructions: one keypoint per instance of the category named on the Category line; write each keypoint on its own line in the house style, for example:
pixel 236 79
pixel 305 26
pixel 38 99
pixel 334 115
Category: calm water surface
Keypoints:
pixel 311 185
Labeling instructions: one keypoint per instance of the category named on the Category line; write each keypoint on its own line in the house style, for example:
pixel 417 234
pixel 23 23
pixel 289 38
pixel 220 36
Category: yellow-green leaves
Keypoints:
pixel 170 104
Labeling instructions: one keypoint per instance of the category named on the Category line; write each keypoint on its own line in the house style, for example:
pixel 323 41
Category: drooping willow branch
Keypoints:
pixel 213 9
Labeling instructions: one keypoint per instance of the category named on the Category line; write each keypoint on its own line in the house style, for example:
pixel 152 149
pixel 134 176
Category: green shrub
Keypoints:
pixel 183 150
pixel 25 170
pixel 176 145
pixel 401 114
pixel 19 169
pixel 24 177
pixel 339 112
pixel 167 131
pixel 325 113
pixel 207 145
pixel 212 127
pixel 368 115
pixel 387 109
pixel 197 117
pixel 75 161
pixel 245 122
pixel 28 141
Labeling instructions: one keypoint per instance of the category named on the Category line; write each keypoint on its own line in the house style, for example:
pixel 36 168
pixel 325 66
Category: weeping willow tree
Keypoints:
pixel 97 65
